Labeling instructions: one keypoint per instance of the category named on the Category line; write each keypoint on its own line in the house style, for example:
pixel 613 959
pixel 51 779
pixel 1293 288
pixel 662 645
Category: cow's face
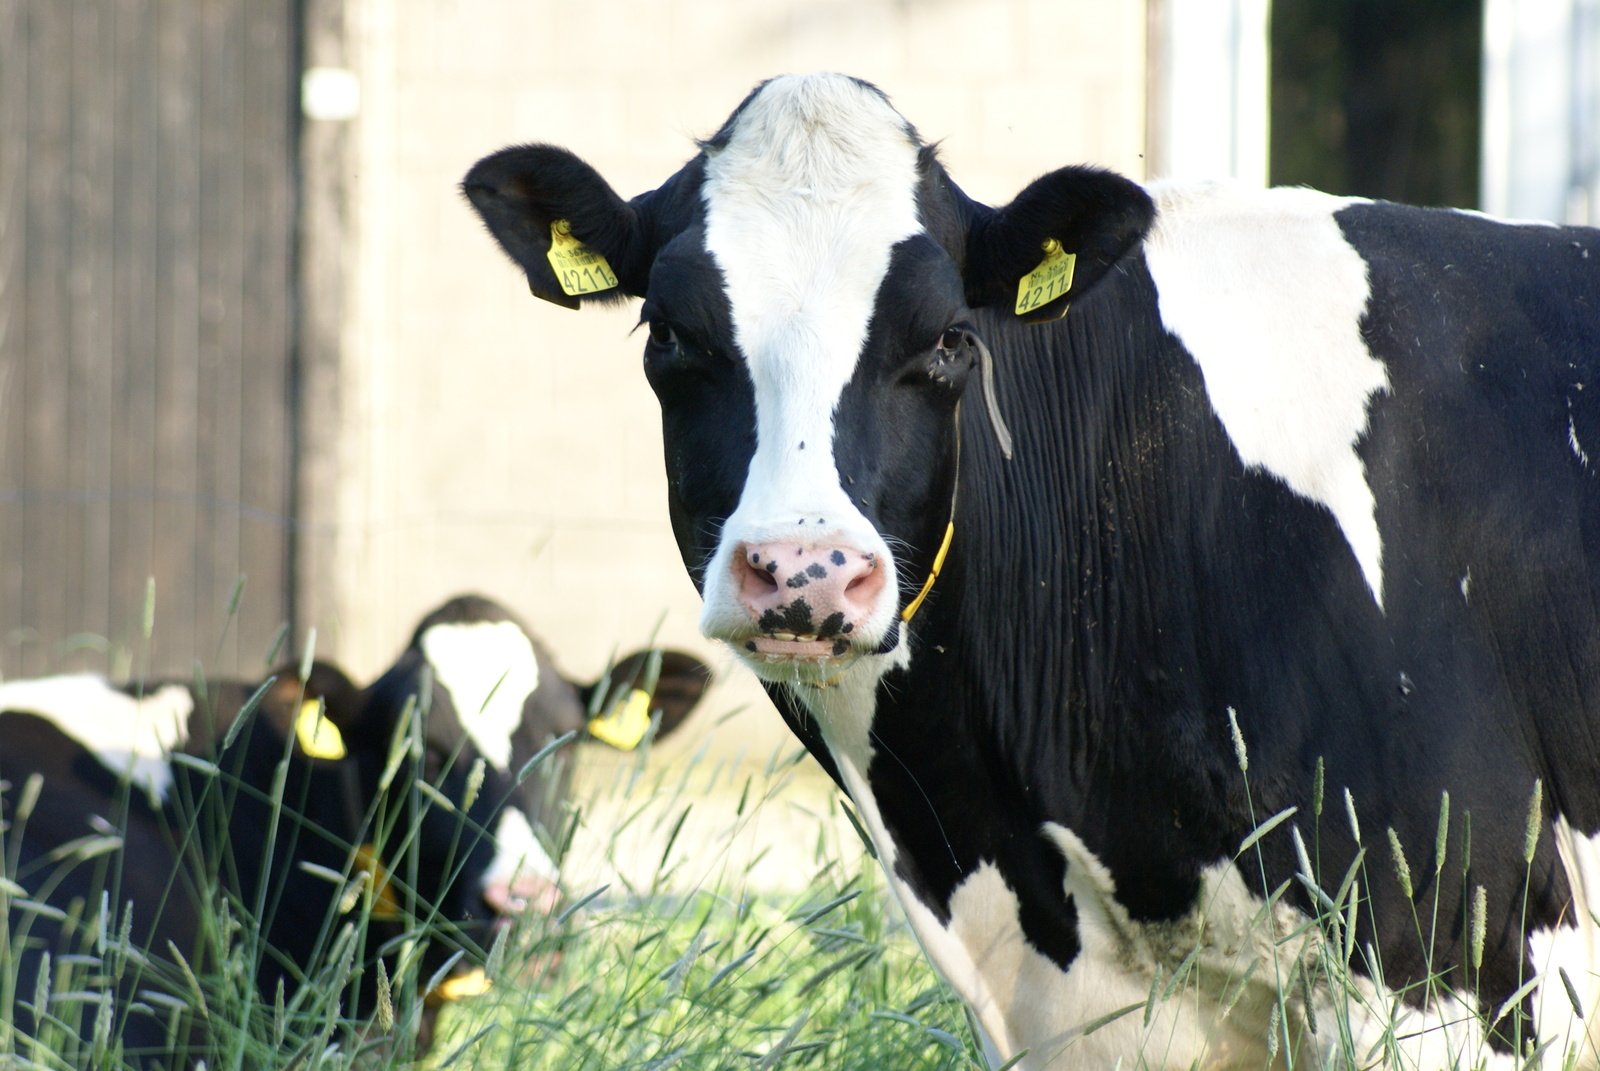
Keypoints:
pixel 808 286
pixel 464 712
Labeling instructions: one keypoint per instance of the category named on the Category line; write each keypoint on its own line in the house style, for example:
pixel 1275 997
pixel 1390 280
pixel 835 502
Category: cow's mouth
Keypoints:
pixel 813 658
pixel 777 647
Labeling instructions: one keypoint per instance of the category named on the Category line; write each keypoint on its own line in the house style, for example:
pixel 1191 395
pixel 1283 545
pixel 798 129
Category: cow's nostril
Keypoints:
pixel 760 574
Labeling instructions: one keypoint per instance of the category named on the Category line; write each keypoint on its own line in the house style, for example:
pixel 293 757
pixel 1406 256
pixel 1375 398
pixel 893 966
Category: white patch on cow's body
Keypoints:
pixel 489 668
pixel 1267 295
pixel 1572 438
pixel 518 851
pixel 803 205
pixel 1573 947
pixel 129 735
pixel 1021 999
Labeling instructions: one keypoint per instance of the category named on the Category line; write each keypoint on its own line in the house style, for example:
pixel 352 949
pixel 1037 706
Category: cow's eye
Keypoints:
pixel 661 334
pixel 953 337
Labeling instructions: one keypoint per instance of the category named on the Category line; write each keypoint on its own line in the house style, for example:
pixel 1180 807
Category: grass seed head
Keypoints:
pixel 1530 841
pixel 1402 869
pixel 1238 742
pixel 1479 925
pixel 1441 841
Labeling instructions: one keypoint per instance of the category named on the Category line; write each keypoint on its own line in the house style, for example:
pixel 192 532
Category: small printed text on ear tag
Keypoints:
pixel 625 724
pixel 319 737
pixel 579 269
pixel 1048 281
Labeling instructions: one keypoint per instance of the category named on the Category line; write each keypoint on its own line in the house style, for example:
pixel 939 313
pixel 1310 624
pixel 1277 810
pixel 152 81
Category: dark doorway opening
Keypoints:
pixel 1378 99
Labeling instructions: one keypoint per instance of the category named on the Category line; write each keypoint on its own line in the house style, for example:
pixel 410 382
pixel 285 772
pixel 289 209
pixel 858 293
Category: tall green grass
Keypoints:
pixel 678 957
pixel 699 967
pixel 686 941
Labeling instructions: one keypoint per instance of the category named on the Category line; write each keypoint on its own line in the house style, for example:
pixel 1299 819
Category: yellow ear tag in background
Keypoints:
pixel 625 724
pixel 384 903
pixel 473 983
pixel 319 737
pixel 579 269
pixel 1048 281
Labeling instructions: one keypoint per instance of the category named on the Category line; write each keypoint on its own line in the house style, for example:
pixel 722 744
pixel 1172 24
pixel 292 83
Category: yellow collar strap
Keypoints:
pixel 949 533
pixel 933 574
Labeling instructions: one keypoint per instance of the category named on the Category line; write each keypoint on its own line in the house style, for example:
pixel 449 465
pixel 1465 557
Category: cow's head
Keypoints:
pixel 473 700
pixel 809 281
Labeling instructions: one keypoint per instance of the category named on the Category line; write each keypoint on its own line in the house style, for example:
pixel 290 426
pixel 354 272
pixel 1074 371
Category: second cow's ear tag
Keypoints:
pixel 625 724
pixel 318 737
pixel 579 269
pixel 1048 281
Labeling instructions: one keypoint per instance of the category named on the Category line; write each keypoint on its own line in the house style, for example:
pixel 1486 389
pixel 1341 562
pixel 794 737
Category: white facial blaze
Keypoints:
pixel 127 734
pixel 803 206
pixel 1267 295
pixel 489 668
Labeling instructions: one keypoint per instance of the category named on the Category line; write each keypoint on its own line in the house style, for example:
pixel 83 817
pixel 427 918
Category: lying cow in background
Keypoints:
pixel 1324 467
pixel 171 793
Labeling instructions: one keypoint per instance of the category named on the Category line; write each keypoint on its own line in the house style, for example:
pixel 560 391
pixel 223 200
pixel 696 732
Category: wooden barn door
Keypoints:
pixel 147 326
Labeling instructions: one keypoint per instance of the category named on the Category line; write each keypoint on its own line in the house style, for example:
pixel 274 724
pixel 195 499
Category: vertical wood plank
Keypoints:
pixel 174 479
pixel 325 156
pixel 89 190
pixel 43 388
pixel 135 274
pixel 14 62
pixel 270 128
pixel 224 339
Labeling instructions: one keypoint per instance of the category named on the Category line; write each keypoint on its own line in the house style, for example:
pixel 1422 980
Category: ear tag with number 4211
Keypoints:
pixel 579 269
pixel 1048 281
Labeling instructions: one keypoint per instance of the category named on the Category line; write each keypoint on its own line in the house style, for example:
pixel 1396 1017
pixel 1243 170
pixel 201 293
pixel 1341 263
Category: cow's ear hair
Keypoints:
pixel 1096 215
pixel 680 682
pixel 522 190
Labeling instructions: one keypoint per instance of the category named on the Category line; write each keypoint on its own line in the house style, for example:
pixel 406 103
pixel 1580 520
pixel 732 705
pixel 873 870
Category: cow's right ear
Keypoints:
pixel 562 223
pixel 644 684
pixel 1053 242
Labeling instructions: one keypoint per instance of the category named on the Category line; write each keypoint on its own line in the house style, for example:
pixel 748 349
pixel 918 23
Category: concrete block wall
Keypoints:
pixel 491 442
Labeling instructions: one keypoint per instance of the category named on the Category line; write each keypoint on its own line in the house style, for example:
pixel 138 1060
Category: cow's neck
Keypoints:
pixel 1033 647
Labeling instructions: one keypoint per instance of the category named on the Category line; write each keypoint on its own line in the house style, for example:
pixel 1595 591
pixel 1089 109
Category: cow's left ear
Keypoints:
pixel 566 227
pixel 644 684
pixel 1052 243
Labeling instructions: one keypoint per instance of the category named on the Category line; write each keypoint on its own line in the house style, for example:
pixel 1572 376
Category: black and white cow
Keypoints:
pixel 1316 464
pixel 468 706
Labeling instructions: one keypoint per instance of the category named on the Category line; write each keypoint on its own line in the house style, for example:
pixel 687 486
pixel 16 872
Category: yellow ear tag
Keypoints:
pixel 319 737
pixel 384 904
pixel 625 724
pixel 579 269
pixel 474 983
pixel 1048 281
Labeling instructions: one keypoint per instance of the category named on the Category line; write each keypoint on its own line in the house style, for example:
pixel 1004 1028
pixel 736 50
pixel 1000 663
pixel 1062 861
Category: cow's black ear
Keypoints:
pixel 642 685
pixel 1015 254
pixel 532 196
